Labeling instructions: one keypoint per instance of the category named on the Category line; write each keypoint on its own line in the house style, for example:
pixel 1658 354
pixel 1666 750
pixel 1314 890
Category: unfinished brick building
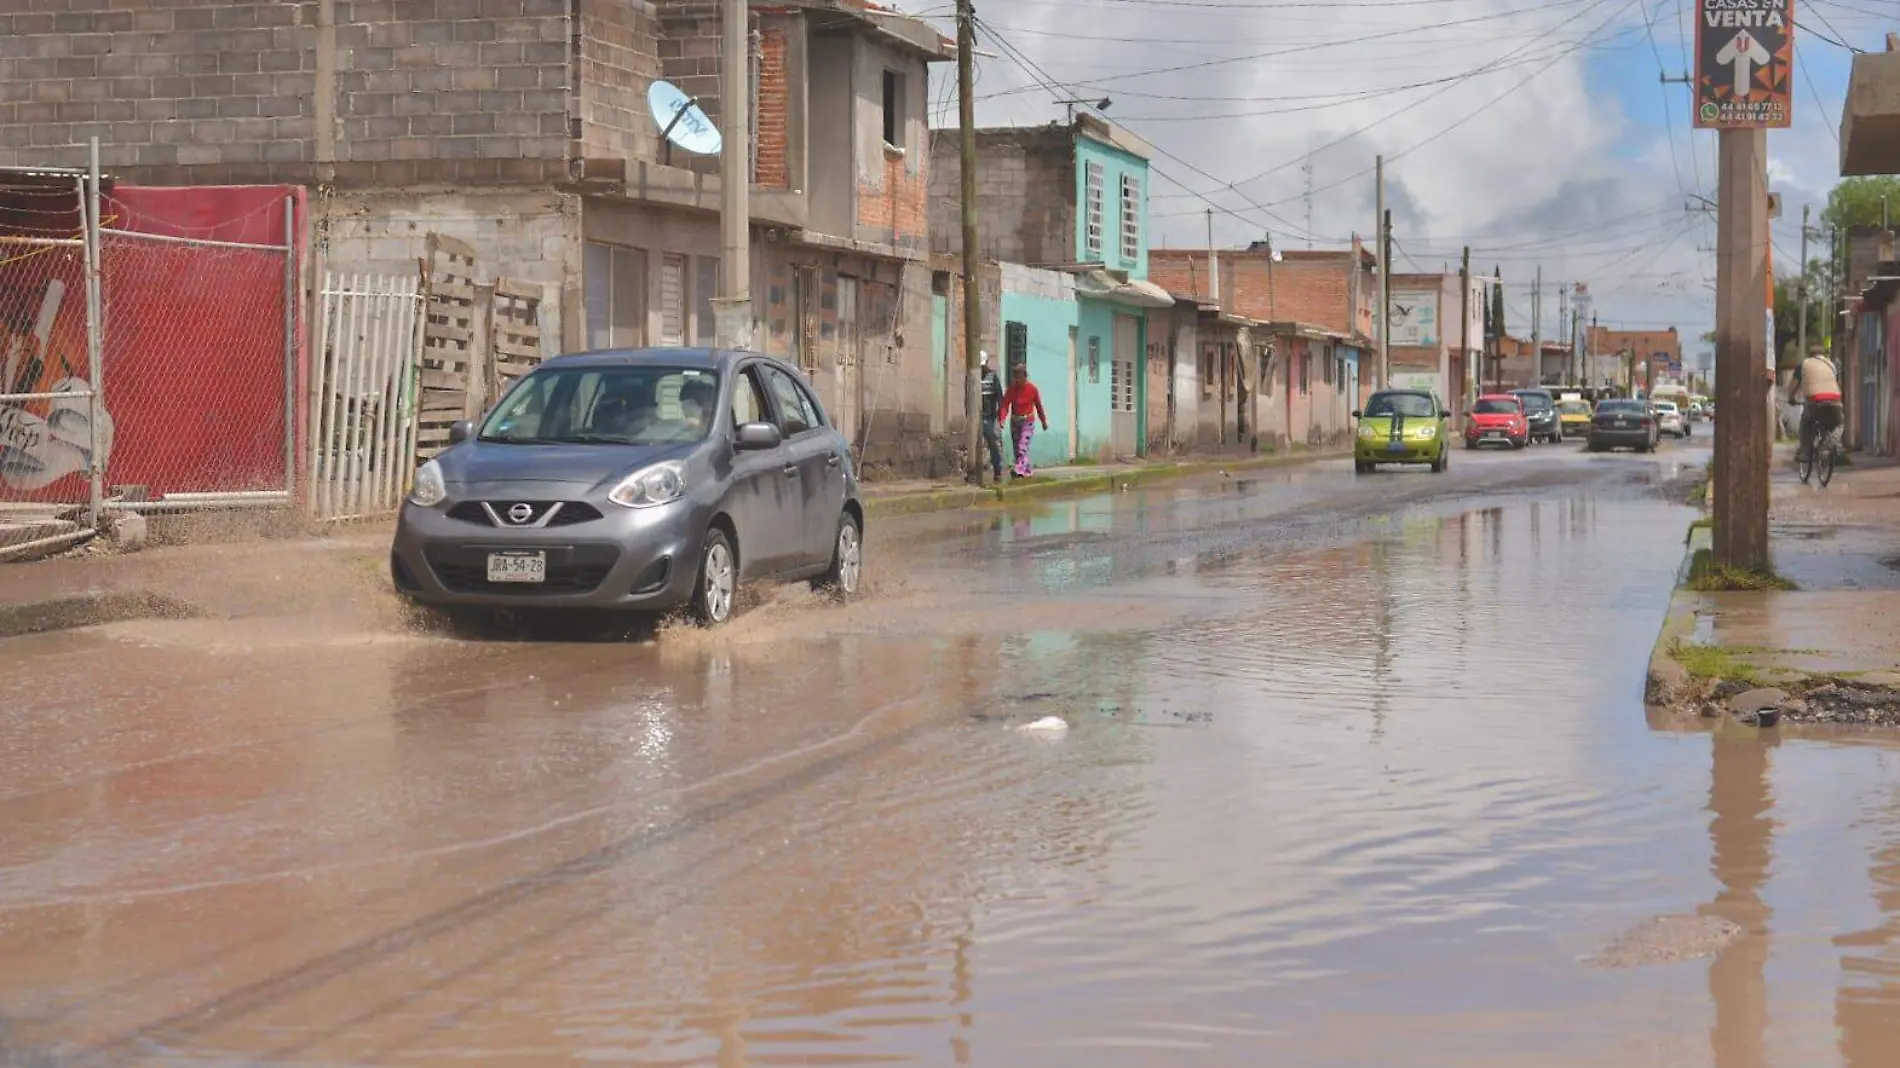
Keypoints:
pixel 521 128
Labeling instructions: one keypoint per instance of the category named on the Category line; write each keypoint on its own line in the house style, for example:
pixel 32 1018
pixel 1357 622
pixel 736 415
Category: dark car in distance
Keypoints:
pixel 1540 410
pixel 641 480
pixel 1623 424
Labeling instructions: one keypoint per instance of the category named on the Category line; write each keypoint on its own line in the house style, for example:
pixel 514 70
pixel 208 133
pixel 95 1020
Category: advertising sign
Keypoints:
pixel 1419 380
pixel 1414 317
pixel 1744 64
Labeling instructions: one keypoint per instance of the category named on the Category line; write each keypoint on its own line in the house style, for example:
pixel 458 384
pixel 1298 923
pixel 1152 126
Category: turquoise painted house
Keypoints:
pixel 1064 210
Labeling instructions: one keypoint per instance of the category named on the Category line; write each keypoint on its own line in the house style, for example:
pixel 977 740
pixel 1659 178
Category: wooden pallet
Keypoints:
pixel 514 332
pixel 451 379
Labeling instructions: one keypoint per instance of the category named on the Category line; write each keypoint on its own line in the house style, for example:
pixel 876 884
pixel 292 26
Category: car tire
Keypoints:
pixel 1443 463
pixel 846 572
pixel 1360 467
pixel 716 586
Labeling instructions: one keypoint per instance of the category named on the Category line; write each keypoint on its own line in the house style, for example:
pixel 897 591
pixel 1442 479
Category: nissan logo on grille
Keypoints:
pixel 520 513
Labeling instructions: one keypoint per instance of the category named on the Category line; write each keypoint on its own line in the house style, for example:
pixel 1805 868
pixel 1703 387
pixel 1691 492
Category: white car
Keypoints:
pixel 1669 419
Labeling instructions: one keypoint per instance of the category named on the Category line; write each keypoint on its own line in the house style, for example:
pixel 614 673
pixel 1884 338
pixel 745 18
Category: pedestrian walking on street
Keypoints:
pixel 1023 404
pixel 1819 388
pixel 992 414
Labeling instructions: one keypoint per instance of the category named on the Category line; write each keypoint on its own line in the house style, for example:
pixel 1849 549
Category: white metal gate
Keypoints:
pixel 363 400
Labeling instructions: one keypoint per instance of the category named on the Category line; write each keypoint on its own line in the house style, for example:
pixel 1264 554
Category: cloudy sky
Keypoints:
pixel 1536 131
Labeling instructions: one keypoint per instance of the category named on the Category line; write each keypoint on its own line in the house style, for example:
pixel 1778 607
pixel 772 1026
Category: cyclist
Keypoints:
pixel 1818 387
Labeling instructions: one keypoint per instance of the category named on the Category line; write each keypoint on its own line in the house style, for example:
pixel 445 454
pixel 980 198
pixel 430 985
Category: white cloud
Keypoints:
pixel 1530 159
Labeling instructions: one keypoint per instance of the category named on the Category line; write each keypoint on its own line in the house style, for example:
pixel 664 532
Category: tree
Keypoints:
pixel 1497 305
pixel 1858 202
pixel 1788 313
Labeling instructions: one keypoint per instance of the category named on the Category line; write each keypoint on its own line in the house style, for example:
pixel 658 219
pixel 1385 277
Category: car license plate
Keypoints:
pixel 518 567
pixel 1395 446
pixel 1494 434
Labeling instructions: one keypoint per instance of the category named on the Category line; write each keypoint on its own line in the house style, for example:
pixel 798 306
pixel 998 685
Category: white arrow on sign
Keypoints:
pixel 1745 53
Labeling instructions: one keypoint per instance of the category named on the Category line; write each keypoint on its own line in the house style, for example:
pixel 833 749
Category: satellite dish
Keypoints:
pixel 681 121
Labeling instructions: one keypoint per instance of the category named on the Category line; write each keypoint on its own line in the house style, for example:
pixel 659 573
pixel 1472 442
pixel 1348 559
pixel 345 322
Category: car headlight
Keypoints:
pixel 1428 432
pixel 428 489
pixel 1366 431
pixel 661 483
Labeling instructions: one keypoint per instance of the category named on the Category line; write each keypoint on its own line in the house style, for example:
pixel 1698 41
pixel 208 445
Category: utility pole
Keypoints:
pixel 1537 328
pixel 1563 331
pixel 1742 375
pixel 972 297
pixel 732 313
pixel 1385 279
pixel 1466 374
pixel 1801 291
pixel 1213 263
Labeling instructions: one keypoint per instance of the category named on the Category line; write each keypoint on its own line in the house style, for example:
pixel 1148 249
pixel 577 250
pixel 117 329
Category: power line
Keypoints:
pixel 1051 84
pixel 1096 84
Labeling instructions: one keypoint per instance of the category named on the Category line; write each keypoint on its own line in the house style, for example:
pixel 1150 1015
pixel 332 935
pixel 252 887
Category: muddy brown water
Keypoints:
pixel 1356 774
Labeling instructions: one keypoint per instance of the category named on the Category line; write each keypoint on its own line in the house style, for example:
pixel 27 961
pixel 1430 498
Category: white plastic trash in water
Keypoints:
pixel 1046 725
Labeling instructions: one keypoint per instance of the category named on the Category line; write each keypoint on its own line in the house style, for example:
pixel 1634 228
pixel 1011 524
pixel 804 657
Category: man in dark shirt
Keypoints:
pixel 992 408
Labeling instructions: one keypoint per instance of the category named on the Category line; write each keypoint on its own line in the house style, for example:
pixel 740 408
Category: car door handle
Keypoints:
pixel 832 460
pixel 791 470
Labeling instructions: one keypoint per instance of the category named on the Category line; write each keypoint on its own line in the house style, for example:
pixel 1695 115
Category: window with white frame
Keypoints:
pixel 1094 177
pixel 1131 220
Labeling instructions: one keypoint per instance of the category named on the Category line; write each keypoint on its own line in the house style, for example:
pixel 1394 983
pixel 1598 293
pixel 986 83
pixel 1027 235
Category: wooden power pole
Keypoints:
pixel 1464 330
pixel 972 296
pixel 1742 369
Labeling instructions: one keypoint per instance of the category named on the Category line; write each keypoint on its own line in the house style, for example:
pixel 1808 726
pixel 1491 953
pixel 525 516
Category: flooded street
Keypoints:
pixel 1356 772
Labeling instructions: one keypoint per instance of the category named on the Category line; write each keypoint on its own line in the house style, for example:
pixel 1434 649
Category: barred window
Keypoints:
pixel 1095 178
pixel 1131 220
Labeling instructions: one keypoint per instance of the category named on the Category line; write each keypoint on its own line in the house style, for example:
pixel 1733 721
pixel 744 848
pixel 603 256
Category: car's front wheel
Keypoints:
pixel 847 559
pixel 714 592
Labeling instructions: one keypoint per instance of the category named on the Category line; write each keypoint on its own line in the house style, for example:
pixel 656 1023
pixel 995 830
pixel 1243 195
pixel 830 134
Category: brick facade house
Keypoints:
pixel 1300 325
pixel 521 128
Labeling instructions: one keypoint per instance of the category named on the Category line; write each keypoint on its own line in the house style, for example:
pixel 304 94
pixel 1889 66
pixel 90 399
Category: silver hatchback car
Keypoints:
pixel 644 480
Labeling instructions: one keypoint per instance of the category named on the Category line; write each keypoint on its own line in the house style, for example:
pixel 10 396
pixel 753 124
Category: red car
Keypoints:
pixel 1497 419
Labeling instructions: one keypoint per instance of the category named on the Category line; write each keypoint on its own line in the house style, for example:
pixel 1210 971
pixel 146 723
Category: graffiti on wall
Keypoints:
pixel 42 350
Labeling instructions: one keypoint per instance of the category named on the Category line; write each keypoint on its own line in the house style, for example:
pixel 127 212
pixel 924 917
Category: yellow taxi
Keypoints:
pixel 1574 414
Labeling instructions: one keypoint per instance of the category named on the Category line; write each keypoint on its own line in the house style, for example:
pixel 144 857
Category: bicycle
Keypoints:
pixel 1824 464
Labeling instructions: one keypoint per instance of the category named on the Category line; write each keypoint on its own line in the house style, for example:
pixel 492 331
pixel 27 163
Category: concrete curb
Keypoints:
pixel 959 497
pixel 1668 682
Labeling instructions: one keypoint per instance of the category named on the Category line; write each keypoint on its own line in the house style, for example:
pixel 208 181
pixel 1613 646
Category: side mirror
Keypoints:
pixel 461 430
pixel 1356 414
pixel 757 437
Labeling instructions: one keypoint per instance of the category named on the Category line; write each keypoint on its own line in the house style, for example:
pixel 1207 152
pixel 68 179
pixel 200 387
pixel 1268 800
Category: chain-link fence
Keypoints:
pixel 142 367
pixel 48 434
pixel 199 371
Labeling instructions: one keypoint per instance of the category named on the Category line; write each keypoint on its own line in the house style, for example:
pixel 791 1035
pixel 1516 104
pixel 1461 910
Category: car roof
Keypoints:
pixel 1539 392
pixel 1497 396
pixel 1426 393
pixel 710 359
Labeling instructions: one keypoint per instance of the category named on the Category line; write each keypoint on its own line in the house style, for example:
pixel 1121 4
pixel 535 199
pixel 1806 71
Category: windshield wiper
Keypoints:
pixel 511 439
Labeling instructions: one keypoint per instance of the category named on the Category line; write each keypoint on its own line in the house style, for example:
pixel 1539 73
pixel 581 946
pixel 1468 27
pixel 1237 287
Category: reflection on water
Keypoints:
pixel 1366 798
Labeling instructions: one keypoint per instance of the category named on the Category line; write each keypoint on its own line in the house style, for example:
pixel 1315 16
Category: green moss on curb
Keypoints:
pixel 1706 662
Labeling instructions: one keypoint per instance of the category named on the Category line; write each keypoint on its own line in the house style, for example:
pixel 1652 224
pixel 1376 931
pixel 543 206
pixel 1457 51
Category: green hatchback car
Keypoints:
pixel 1401 426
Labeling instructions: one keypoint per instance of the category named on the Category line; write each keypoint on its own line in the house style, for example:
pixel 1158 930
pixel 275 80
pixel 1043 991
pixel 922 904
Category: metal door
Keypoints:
pixel 1124 364
pixel 848 380
pixel 1075 399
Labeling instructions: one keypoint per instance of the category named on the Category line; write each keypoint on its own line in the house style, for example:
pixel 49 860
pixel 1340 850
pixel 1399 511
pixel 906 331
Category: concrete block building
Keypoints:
pixel 1070 198
pixel 521 128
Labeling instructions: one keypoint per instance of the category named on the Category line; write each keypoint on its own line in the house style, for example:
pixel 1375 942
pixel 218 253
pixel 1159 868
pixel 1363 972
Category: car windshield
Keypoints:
pixel 1620 407
pixel 1665 407
pixel 1535 402
pixel 1574 408
pixel 612 405
pixel 1495 406
pixel 1408 405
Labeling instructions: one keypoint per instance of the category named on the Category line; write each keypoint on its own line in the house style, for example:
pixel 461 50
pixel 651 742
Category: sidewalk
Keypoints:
pixel 1824 653
pixel 345 569
pixel 907 497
